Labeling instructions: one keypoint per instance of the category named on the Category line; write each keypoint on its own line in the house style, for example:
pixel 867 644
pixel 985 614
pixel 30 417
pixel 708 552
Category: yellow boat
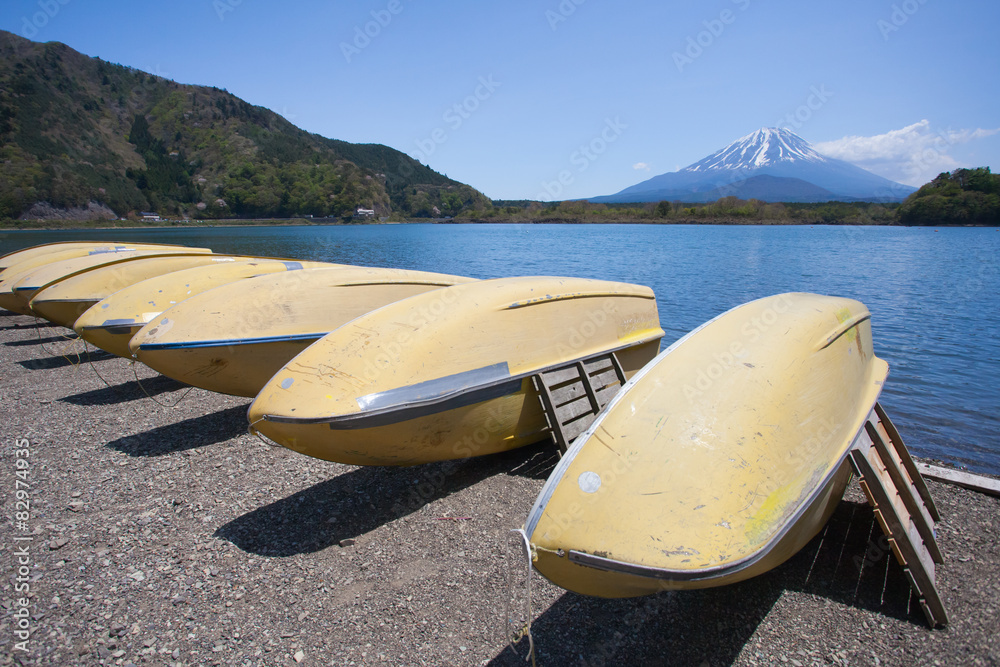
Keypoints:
pixel 111 322
pixel 233 338
pixel 81 248
pixel 21 281
pixel 64 300
pixel 717 461
pixel 448 374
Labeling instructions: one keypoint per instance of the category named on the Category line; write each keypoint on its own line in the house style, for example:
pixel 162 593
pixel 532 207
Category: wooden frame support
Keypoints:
pixel 572 395
pixel 903 507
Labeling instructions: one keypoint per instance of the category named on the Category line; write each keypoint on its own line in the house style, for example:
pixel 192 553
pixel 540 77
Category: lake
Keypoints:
pixel 933 293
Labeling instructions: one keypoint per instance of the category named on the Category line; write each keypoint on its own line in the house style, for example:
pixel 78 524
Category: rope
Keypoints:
pixel 253 431
pixel 816 555
pixel 150 396
pixel 93 367
pixel 843 544
pixel 861 570
pixel 514 637
pixel 60 353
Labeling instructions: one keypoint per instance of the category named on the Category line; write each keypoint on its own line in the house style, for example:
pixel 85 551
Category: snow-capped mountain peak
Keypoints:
pixel 771 164
pixel 765 147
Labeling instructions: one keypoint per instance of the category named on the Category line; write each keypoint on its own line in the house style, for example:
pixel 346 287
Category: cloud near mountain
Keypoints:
pixel 913 155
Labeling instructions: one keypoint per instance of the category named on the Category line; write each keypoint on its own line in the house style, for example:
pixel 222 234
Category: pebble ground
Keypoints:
pixel 169 536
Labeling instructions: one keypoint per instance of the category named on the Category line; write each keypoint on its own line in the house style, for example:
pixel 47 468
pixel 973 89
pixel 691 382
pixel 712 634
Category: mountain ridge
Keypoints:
pixel 78 132
pixel 773 152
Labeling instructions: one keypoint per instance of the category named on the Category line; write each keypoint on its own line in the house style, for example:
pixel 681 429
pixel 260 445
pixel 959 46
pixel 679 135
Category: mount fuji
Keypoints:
pixel 770 164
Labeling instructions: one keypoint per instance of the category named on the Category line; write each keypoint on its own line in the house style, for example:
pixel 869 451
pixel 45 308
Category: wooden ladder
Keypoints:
pixel 572 395
pixel 903 507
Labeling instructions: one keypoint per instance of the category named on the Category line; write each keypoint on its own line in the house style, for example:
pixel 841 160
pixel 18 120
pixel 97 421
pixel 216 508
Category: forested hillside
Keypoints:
pixel 961 197
pixel 78 131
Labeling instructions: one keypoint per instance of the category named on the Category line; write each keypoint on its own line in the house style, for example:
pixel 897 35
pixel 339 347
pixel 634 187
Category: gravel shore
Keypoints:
pixel 169 536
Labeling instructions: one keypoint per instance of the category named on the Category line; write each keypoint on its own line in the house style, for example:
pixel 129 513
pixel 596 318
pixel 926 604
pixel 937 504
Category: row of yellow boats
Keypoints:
pixel 718 459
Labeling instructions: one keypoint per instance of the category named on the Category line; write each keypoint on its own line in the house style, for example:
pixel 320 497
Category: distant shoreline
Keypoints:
pixel 50 226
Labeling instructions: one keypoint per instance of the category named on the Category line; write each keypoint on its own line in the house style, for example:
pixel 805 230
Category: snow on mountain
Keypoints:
pixel 796 172
pixel 759 149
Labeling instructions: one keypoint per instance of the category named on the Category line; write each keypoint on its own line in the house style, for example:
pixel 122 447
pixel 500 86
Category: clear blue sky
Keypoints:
pixel 907 88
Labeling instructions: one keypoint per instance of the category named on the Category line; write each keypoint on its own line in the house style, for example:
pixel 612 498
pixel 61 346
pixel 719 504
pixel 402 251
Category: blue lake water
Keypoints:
pixel 933 293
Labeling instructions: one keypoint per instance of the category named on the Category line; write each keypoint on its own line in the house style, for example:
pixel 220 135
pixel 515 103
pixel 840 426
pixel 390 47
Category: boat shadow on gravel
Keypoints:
pixel 62 359
pixel 191 433
pixel 42 341
pixel 113 394
pixel 27 324
pixel 844 564
pixel 359 501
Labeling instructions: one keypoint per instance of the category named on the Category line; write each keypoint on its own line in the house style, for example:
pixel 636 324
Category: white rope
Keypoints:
pixel 260 436
pixel 150 396
pixel 515 637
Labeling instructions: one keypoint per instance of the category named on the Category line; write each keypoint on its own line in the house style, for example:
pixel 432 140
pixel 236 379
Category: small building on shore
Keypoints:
pixel 150 216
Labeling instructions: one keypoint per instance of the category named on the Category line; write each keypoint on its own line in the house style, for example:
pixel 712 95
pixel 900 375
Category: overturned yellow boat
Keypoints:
pixel 63 300
pixel 448 374
pixel 23 280
pixel 233 338
pixel 46 251
pixel 111 322
pixel 720 459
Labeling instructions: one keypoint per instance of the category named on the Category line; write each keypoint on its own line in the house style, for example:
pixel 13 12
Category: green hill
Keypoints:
pixel 961 197
pixel 77 131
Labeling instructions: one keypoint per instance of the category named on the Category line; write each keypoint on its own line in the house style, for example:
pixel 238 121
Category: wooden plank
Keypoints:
pixel 959 478
pixel 572 395
pixel 906 545
pixel 550 413
pixel 598 364
pixel 895 511
pixel 605 378
pixel 561 375
pixel 574 428
pixel 574 410
pixel 605 395
pixel 903 486
pixel 585 380
pixel 566 394
pixel 904 454
pixel 618 367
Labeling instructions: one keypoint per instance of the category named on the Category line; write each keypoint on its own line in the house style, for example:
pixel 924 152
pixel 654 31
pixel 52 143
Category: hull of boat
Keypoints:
pixel 111 322
pixel 232 338
pixel 20 284
pixel 447 375
pixel 34 252
pixel 720 459
pixel 40 253
pixel 63 301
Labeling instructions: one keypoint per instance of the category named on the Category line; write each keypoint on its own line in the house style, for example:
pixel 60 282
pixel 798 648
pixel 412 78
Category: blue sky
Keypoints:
pixel 506 96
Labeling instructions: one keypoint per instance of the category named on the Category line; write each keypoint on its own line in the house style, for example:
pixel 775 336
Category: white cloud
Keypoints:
pixel 640 166
pixel 913 155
